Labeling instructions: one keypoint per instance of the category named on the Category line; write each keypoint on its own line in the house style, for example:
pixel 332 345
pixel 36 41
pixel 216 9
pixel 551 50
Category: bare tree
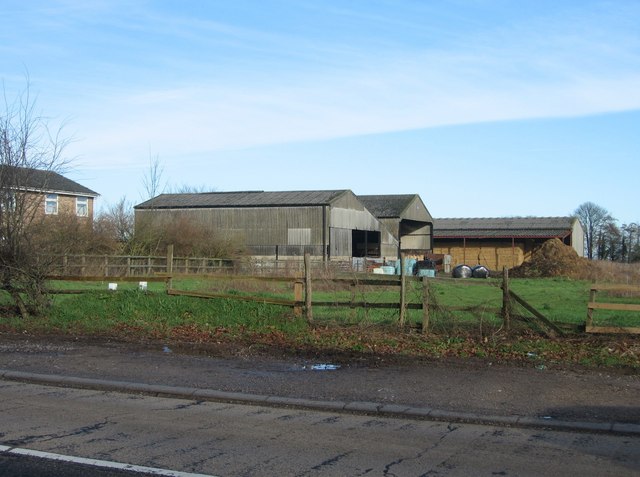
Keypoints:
pixel 594 220
pixel 152 181
pixel 610 242
pixel 191 189
pixel 29 155
pixel 120 218
pixel 112 229
pixel 631 249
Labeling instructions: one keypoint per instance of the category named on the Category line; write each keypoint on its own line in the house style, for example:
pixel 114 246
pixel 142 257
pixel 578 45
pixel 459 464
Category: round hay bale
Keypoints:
pixel 480 271
pixel 462 271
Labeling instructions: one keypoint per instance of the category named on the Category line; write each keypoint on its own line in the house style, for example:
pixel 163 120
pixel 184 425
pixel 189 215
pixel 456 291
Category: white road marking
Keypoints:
pixel 99 463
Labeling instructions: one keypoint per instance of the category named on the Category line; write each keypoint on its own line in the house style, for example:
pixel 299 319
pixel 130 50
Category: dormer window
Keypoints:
pixel 51 204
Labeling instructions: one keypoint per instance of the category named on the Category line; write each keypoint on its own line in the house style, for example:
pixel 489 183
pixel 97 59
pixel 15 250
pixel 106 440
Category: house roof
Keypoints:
pixel 242 199
pixel 45 181
pixel 387 206
pixel 520 227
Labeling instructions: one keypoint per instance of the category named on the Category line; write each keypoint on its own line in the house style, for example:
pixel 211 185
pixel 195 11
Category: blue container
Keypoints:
pixel 426 272
pixel 409 263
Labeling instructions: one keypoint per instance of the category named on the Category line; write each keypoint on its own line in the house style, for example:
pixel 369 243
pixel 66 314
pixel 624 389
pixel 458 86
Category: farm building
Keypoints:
pixel 406 217
pixel 499 242
pixel 332 224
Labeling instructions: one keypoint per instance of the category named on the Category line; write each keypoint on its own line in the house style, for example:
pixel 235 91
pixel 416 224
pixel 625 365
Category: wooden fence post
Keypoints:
pixel 425 305
pixel 297 297
pixel 592 299
pixel 403 283
pixel 307 288
pixel 169 267
pixel 506 299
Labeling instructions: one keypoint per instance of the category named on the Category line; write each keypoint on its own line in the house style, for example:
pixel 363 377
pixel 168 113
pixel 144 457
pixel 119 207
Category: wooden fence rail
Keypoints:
pixel 549 328
pixel 303 301
pixel 139 265
pixel 592 305
pixel 133 265
pixel 152 278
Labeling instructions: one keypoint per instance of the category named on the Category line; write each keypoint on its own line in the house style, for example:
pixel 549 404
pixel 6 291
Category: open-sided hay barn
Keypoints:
pixel 332 224
pixel 499 242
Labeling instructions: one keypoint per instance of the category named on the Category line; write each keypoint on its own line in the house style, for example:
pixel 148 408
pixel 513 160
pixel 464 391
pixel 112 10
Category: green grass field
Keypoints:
pixel 464 317
pixel 453 302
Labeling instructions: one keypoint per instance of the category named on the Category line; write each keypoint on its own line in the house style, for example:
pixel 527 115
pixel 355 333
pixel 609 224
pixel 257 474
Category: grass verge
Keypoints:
pixel 130 314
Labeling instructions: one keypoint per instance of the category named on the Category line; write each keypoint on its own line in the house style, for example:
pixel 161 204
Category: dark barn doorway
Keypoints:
pixel 365 243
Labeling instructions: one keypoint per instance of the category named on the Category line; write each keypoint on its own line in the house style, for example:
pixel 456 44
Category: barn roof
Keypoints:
pixel 44 181
pixel 387 206
pixel 242 199
pixel 521 227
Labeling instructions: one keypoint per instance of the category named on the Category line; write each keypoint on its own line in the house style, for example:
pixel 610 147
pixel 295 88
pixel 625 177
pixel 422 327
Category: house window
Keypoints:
pixel 82 206
pixel 51 204
pixel 9 201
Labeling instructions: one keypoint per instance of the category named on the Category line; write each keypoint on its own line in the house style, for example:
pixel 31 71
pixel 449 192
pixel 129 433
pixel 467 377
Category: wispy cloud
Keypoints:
pixel 192 81
pixel 408 93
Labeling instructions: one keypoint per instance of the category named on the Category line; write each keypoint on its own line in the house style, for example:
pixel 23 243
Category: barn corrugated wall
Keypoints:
pixel 340 243
pixel 286 231
pixel 255 226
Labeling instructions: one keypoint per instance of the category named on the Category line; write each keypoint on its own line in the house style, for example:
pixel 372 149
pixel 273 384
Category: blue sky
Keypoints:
pixel 483 107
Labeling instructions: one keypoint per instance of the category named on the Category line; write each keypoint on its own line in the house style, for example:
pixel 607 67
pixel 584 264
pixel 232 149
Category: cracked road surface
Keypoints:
pixel 240 440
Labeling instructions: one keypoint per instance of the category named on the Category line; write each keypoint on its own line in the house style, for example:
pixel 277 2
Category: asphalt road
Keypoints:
pixel 30 466
pixel 538 389
pixel 247 440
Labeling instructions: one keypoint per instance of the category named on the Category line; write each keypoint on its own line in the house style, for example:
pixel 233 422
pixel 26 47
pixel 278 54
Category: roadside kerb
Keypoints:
pixel 356 407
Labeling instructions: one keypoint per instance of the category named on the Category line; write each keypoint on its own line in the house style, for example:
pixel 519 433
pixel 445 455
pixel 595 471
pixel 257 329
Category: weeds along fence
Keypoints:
pixel 318 292
pixel 312 289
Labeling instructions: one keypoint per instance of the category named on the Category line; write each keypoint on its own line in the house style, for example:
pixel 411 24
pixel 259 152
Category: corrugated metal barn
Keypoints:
pixel 406 217
pixel 499 242
pixel 330 224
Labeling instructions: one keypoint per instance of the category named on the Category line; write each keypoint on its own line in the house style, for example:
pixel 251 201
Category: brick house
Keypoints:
pixel 49 192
